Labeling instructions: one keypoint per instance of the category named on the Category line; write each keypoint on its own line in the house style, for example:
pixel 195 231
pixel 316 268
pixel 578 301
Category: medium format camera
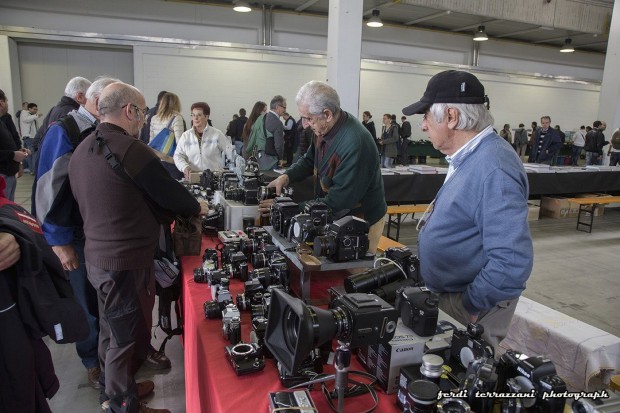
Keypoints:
pixel 245 358
pixel 210 179
pixel 214 220
pixel 265 193
pixel 344 240
pixel 468 345
pixel 311 223
pixel 518 372
pixel 407 261
pixel 281 216
pixel 419 310
pixel 294 328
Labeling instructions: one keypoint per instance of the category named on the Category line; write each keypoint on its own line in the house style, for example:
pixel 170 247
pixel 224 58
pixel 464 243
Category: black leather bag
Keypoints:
pixel 187 236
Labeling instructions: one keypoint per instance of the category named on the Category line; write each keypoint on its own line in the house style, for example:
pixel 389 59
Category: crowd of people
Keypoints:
pixel 101 194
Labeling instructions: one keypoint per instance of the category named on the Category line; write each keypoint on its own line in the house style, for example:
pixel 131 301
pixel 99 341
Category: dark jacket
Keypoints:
pixel 405 130
pixel 595 140
pixel 550 145
pixel 370 125
pixel 8 146
pixel 236 128
pixel 10 125
pixel 64 106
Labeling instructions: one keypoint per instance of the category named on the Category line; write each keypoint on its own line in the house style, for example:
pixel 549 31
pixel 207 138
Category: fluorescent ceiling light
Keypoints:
pixel 480 35
pixel 375 20
pixel 568 47
pixel 242 7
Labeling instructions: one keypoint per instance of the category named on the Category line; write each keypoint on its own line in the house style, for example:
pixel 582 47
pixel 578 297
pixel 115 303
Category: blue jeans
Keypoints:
pixel 86 296
pixel 386 161
pixel 593 158
pixel 28 144
pixel 239 147
pixel 576 153
pixel 11 184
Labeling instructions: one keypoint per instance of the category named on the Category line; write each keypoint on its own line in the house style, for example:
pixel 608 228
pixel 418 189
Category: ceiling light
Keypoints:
pixel 568 47
pixel 242 7
pixel 480 35
pixel 375 20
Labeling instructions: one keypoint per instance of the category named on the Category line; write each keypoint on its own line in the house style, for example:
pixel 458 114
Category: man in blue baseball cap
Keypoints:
pixel 475 246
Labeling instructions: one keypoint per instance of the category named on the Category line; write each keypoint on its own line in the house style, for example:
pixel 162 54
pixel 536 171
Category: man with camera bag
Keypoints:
pixel 342 157
pixel 475 246
pixel 123 193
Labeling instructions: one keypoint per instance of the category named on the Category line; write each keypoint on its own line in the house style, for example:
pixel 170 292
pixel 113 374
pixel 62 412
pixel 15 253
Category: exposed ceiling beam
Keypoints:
pixel 590 44
pixel 555 39
pixel 305 5
pixel 429 17
pixel 473 26
pixel 534 29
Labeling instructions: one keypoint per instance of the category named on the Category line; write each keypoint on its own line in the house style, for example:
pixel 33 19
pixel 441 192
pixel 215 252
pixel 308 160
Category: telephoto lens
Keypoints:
pixel 421 397
pixel 373 279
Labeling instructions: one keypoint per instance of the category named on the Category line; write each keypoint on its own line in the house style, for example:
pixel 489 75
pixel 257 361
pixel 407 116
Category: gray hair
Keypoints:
pixel 98 85
pixel 276 101
pixel 111 102
pixel 318 96
pixel 76 86
pixel 472 116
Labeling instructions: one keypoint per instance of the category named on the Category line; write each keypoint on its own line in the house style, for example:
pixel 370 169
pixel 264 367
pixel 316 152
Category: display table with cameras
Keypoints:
pixel 211 384
pixel 305 271
pixel 234 211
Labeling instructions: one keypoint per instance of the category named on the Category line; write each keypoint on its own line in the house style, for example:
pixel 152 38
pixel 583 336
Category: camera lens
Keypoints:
pixel 422 396
pixel 212 310
pixel 324 246
pixel 259 260
pixel 291 323
pixel 431 367
pixel 452 405
pixel 372 279
pixel 266 193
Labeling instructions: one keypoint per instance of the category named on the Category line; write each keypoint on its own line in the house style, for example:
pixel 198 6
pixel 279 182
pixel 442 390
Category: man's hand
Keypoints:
pixel 19 156
pixel 264 206
pixel 9 250
pixel 279 183
pixel 186 172
pixel 67 256
pixel 204 208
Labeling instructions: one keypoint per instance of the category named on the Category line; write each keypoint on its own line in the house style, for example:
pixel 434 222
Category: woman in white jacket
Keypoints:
pixel 201 146
pixel 169 109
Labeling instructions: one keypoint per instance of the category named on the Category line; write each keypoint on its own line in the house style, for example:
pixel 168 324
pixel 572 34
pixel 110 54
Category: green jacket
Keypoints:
pixel 348 177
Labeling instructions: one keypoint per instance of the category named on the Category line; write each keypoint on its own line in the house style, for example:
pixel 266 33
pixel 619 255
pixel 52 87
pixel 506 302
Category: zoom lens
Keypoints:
pixel 372 279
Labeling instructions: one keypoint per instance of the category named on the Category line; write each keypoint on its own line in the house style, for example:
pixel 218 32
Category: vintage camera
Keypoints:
pixel 419 310
pixel 228 178
pixel 344 240
pixel 236 266
pixel 262 257
pixel 253 294
pixel 210 255
pixel 407 261
pixel 210 179
pixel 518 372
pixel 480 377
pixel 257 335
pixel 245 358
pixel 389 291
pixel 294 328
pixel 311 223
pixel 231 323
pixel 214 220
pixel 213 309
pixel 270 193
pixel 281 215
pixel 468 345
pixel 200 276
pixel 234 193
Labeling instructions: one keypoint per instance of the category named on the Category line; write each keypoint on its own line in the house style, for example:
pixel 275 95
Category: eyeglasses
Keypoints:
pixel 282 106
pixel 141 111
pixel 311 118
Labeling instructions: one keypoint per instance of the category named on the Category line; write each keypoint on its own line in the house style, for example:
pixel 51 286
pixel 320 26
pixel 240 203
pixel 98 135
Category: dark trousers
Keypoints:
pixel 126 300
pixel 86 296
pixel 615 159
pixel 404 151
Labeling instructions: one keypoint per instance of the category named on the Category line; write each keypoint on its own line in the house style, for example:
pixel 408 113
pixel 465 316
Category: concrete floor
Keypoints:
pixel 574 272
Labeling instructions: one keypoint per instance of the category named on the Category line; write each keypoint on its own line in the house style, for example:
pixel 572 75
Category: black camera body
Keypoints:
pixel 261 258
pixel 518 372
pixel 407 261
pixel 480 377
pixel 210 179
pixel 236 266
pixel 311 223
pixel 419 310
pixel 210 254
pixel 345 240
pixel 468 345
pixel 231 323
pixel 245 358
pixel 310 367
pixel 213 309
pixel 281 215
pixel 214 220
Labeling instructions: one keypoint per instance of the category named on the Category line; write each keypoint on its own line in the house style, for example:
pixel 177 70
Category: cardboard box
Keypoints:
pixel 558 207
pixel 533 212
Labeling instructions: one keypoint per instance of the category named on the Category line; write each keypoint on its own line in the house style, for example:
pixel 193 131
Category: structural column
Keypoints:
pixel 609 100
pixel 344 48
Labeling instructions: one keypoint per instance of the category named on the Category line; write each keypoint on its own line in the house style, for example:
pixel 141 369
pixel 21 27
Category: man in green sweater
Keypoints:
pixel 343 159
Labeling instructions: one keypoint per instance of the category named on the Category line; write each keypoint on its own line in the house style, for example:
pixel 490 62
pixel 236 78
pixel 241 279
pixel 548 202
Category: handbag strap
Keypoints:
pixel 170 123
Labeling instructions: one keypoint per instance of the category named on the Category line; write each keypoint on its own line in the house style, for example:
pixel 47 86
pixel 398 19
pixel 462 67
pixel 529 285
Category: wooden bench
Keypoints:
pixel 587 205
pixel 399 211
pixel 385 243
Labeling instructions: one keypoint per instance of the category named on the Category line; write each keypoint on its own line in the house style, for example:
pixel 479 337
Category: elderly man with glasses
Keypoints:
pixel 342 157
pixel 124 193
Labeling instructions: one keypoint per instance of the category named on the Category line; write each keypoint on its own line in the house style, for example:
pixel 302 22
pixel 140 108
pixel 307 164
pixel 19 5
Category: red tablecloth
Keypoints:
pixel 211 385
